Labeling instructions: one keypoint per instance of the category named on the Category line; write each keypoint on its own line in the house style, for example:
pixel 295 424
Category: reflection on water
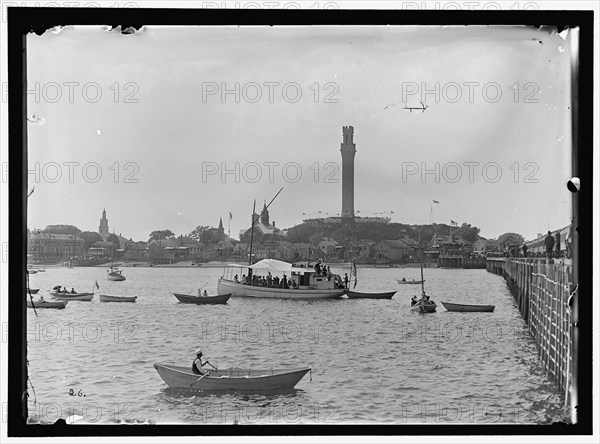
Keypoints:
pixel 373 361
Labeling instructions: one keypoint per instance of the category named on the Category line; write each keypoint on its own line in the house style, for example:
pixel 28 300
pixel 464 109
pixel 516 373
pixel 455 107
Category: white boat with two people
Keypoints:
pixel 271 278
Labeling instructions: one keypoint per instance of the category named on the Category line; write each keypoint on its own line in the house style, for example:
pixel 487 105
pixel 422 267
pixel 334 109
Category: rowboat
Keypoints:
pixel 115 275
pixel 34 290
pixel 305 282
pixel 71 296
pixel 202 300
pixel 47 304
pixel 231 379
pixel 401 282
pixel 109 298
pixel 468 308
pixel 358 295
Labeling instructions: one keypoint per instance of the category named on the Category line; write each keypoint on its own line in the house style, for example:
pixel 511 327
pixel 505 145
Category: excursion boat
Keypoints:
pixel 178 377
pixel 359 295
pixel 401 282
pixel 71 296
pixel 306 284
pixel 46 304
pixel 114 274
pixel 110 298
pixel 202 300
pixel 468 308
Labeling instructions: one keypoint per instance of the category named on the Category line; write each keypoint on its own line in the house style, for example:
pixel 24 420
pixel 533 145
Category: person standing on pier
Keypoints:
pixel 524 247
pixel 549 243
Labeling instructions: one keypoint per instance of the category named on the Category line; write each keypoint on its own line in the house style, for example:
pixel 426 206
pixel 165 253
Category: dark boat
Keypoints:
pixel 468 308
pixel 34 290
pixel 358 295
pixel 202 300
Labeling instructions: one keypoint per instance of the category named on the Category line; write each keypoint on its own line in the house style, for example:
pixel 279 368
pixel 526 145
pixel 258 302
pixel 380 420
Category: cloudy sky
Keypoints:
pixel 176 127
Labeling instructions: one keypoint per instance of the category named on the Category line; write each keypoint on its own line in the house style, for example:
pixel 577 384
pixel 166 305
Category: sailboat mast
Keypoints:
pixel 252 233
pixel 421 263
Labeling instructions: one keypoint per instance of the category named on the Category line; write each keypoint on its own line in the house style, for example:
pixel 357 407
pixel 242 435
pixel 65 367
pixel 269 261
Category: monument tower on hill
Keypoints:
pixel 348 150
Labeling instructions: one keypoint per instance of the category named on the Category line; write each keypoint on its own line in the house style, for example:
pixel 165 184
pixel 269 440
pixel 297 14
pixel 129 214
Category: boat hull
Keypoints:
pixel 464 308
pixel 47 304
pixel 202 300
pixel 72 297
pixel 109 298
pixel 401 282
pixel 231 379
pixel 116 278
pixel 359 295
pixel 251 291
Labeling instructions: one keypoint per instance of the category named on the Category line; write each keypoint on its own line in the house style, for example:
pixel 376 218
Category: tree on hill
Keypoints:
pixel 62 229
pixel 467 232
pixel 204 233
pixel 511 239
pixel 161 234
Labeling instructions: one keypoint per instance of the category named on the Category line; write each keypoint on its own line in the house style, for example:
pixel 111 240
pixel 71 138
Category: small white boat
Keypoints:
pixel 71 296
pixel 406 282
pixel 47 304
pixel 110 298
pixel 231 379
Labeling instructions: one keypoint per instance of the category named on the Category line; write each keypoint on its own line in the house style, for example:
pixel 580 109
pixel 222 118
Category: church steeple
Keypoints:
pixel 221 229
pixel 264 218
pixel 103 228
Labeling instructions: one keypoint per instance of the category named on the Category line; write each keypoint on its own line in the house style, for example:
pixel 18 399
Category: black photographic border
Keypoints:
pixel 24 20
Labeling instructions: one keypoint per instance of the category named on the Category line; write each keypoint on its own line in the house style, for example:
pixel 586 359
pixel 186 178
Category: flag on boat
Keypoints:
pixel 435 201
pixel 354 271
pixel 97 286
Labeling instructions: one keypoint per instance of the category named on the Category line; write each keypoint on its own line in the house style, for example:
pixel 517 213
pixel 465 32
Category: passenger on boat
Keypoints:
pixel 276 281
pixel 345 280
pixel 73 291
pixel 195 369
pixel 404 280
pixel 269 280
pixel 318 268
pixel 414 301
pixel 235 279
pixel 205 294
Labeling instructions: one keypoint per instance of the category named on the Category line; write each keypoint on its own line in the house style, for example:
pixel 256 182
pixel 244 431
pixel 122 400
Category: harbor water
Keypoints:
pixel 373 361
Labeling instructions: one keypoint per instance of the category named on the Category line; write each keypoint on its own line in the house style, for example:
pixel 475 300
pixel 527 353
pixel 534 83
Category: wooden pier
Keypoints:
pixel 543 290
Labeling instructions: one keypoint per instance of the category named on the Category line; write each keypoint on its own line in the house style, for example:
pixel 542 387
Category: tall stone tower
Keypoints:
pixel 348 149
pixel 103 228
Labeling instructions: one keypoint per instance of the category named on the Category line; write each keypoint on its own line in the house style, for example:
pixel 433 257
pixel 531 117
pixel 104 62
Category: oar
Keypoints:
pixel 198 380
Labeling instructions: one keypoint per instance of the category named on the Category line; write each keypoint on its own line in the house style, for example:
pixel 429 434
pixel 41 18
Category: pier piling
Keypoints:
pixel 542 289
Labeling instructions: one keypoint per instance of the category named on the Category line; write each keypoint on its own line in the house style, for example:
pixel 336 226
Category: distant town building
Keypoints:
pixel 393 250
pixel 263 229
pixel 50 247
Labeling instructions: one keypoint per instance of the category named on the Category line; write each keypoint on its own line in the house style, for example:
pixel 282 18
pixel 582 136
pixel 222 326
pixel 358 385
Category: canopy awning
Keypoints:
pixel 275 266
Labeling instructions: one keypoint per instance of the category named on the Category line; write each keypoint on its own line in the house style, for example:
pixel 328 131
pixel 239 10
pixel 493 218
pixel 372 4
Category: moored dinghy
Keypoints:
pixel 401 282
pixel 234 379
pixel 202 300
pixel 40 303
pixel 110 298
pixel 360 295
pixel 464 308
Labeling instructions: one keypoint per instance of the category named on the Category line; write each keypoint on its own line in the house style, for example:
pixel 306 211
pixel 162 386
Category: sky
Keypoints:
pixel 175 127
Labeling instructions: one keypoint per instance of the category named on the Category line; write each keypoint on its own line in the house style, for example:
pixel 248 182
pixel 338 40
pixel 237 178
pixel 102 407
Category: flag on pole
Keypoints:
pixel 97 286
pixel 354 271
pixel 230 216
pixel 435 201
pixel 453 223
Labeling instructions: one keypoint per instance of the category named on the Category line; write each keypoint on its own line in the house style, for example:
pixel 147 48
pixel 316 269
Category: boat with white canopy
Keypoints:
pixel 271 278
